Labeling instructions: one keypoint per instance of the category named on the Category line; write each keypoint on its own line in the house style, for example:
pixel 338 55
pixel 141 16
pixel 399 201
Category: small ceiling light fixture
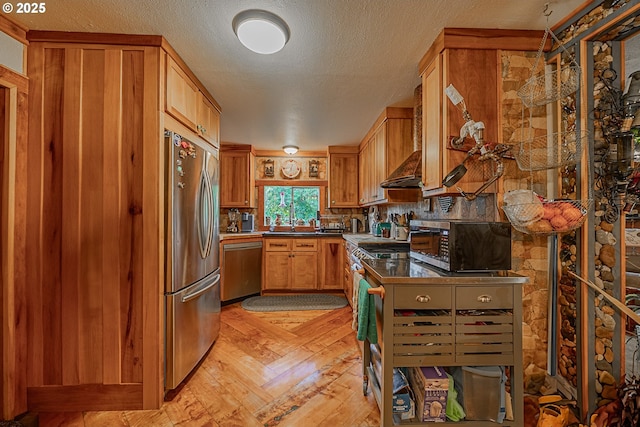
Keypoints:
pixel 290 149
pixel 261 31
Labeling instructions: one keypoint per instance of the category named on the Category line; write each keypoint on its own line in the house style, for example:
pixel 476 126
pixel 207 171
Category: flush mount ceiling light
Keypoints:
pixel 261 31
pixel 290 149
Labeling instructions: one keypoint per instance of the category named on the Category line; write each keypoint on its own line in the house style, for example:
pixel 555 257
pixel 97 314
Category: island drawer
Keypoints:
pixel 422 297
pixel 484 297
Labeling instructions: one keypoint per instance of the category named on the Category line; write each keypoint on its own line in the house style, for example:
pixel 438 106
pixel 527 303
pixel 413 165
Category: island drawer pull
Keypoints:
pixel 484 298
pixel 423 298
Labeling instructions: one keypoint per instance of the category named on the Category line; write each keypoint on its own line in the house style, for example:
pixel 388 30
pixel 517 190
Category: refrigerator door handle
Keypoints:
pixel 198 292
pixel 204 204
pixel 210 215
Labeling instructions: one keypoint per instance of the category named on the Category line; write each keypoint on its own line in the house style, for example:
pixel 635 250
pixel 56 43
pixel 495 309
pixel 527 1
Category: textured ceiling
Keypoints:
pixel 345 61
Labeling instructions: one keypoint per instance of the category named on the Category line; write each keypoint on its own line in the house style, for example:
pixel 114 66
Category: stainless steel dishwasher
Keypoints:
pixel 241 270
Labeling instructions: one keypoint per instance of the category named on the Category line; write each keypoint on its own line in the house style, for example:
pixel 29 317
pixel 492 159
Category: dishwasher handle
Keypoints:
pixel 241 246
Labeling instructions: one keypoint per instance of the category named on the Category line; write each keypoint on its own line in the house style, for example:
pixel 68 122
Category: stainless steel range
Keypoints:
pixel 379 251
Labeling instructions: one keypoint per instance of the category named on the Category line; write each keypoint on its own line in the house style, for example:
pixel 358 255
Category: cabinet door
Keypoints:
pixel 363 181
pixel 277 266
pixel 304 270
pixel 432 126
pixel 379 164
pixel 441 120
pixel 236 179
pixel 343 180
pixel 208 125
pixel 330 264
pixel 182 95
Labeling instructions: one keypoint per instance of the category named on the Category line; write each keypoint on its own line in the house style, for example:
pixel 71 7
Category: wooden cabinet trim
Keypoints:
pixel 14 29
pixel 476 38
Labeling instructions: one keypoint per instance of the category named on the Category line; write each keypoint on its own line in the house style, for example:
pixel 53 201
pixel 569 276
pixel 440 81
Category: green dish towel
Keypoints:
pixel 366 314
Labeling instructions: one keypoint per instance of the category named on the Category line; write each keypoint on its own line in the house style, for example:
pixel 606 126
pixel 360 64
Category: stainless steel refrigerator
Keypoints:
pixel 192 292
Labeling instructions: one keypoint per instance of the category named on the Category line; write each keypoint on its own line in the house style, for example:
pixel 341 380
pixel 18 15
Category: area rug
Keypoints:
pixel 294 302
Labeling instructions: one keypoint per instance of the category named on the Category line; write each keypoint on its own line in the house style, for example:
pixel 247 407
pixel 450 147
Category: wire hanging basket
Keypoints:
pixel 549 86
pixel 550 151
pixel 532 214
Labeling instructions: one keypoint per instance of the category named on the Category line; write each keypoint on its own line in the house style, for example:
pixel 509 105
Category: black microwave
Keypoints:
pixel 462 246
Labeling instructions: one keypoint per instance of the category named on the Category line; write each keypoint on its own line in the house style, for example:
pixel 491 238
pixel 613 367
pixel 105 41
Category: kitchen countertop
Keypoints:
pixel 357 238
pixel 235 236
pixel 281 234
pixel 405 271
pixel 354 238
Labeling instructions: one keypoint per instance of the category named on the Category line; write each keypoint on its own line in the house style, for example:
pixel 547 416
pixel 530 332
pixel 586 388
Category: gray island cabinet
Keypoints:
pixel 457 320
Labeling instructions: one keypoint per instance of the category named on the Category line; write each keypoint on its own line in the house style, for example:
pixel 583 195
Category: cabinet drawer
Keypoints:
pixel 422 297
pixel 484 297
pixel 277 245
pixel 305 245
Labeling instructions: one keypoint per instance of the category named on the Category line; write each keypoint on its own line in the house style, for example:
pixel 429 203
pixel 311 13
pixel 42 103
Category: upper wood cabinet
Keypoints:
pixel 470 60
pixel 208 123
pixel 237 176
pixel 343 177
pixel 183 96
pixel 189 105
pixel 387 144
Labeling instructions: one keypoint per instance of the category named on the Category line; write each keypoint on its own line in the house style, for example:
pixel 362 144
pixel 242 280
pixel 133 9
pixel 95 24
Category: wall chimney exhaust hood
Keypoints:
pixel 408 174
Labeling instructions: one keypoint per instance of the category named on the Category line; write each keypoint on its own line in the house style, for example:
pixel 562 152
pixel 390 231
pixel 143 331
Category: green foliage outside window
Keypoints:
pixel 277 201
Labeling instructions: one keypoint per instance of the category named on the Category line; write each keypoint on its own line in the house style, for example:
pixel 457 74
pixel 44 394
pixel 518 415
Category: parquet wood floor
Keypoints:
pixel 284 369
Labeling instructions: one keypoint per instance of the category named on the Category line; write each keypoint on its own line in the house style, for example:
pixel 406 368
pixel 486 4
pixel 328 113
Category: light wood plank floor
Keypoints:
pixel 285 369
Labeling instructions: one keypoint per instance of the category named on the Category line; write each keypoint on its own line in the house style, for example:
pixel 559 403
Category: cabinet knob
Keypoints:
pixel 423 298
pixel 333 201
pixel 246 202
pixel 484 298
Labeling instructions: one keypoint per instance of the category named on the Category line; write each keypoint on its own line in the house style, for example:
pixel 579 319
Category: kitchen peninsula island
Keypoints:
pixel 430 317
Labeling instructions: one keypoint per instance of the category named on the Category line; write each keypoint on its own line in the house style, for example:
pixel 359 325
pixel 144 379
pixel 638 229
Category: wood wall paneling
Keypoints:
pixel 13 178
pixel 96 285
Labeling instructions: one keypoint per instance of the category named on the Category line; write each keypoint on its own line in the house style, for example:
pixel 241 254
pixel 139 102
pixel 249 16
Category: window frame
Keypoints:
pixel 260 184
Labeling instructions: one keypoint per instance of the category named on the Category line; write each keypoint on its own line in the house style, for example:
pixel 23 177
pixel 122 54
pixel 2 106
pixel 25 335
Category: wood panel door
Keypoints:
pixel 208 123
pixel 343 179
pixel 431 126
pixel 95 282
pixel 13 196
pixel 277 269
pixel 183 96
pixel 237 185
pixel 304 270
pixel 330 262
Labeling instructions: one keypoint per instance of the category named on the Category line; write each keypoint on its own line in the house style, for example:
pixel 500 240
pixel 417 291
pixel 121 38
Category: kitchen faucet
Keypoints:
pixel 291 217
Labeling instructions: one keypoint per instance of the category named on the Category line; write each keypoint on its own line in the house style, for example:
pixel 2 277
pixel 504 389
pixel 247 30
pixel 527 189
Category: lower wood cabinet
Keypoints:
pixel 303 264
pixel 330 263
pixel 290 264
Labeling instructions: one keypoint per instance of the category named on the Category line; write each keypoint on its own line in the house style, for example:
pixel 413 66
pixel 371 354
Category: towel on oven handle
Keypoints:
pixel 355 296
pixel 366 314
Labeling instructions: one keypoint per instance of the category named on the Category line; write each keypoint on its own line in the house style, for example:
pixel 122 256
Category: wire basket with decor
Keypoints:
pixel 549 86
pixel 532 214
pixel 550 151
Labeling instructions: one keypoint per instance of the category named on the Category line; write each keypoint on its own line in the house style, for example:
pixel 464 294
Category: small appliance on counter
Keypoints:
pixel 460 246
pixel 247 223
pixel 234 218
pixel 330 224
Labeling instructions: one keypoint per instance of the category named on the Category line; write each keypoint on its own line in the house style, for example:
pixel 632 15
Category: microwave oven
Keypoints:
pixel 462 246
